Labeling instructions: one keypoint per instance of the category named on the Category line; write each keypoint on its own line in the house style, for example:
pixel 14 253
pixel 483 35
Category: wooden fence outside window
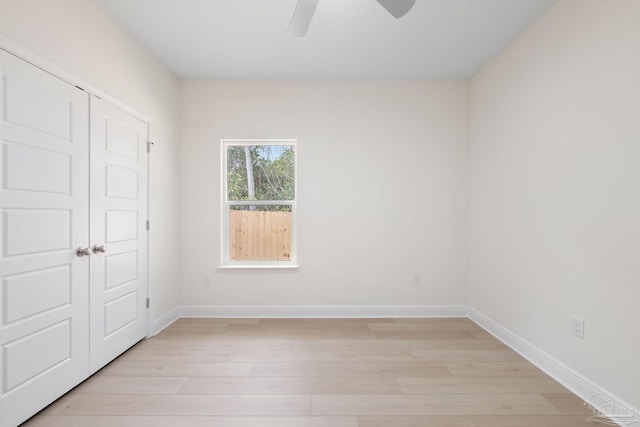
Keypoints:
pixel 259 235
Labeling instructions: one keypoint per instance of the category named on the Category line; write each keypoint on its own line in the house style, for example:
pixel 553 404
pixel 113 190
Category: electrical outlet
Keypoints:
pixel 417 280
pixel 577 327
pixel 206 280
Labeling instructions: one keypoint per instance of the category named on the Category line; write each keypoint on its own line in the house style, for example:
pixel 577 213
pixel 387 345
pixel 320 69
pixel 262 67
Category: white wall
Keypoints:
pixel 555 189
pixel 79 37
pixel 382 189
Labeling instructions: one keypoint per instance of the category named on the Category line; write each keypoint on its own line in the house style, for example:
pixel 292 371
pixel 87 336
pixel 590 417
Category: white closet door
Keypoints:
pixel 44 129
pixel 118 222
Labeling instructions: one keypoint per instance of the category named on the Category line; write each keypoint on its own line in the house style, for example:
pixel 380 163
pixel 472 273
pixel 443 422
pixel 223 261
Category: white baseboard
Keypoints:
pixel 165 320
pixel 315 311
pixel 607 403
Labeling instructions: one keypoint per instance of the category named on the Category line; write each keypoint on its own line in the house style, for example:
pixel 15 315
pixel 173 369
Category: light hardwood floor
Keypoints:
pixel 318 373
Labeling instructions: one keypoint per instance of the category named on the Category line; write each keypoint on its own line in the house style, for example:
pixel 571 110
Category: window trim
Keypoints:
pixel 225 203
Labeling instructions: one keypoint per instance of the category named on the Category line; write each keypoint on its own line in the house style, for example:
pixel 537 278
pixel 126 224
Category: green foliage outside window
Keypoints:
pixel 272 168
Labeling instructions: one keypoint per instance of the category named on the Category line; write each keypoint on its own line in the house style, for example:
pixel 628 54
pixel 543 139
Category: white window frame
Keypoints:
pixel 226 262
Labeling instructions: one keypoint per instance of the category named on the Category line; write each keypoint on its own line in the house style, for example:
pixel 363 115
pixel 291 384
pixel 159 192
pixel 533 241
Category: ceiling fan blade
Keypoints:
pixel 302 17
pixel 398 8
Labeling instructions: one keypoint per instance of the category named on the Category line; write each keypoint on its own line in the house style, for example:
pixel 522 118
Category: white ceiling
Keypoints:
pixel 347 39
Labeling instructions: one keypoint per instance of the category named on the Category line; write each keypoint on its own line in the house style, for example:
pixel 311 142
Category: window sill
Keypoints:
pixel 254 267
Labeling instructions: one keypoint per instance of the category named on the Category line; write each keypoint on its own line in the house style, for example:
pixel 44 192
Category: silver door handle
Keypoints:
pixel 83 252
pixel 99 249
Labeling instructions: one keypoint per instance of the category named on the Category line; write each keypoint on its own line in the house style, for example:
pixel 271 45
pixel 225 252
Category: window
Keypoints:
pixel 259 203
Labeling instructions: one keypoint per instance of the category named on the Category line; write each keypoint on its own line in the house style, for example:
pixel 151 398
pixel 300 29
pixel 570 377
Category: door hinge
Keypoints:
pixel 147 302
pixel 147 225
pixel 149 144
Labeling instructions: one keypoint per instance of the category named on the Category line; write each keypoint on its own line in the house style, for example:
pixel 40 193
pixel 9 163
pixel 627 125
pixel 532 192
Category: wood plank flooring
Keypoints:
pixel 318 373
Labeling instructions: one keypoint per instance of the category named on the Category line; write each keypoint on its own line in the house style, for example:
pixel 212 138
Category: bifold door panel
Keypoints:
pixel 44 196
pixel 64 314
pixel 118 200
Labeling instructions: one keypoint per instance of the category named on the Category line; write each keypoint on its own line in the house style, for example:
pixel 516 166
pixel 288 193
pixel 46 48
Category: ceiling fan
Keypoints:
pixel 306 8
